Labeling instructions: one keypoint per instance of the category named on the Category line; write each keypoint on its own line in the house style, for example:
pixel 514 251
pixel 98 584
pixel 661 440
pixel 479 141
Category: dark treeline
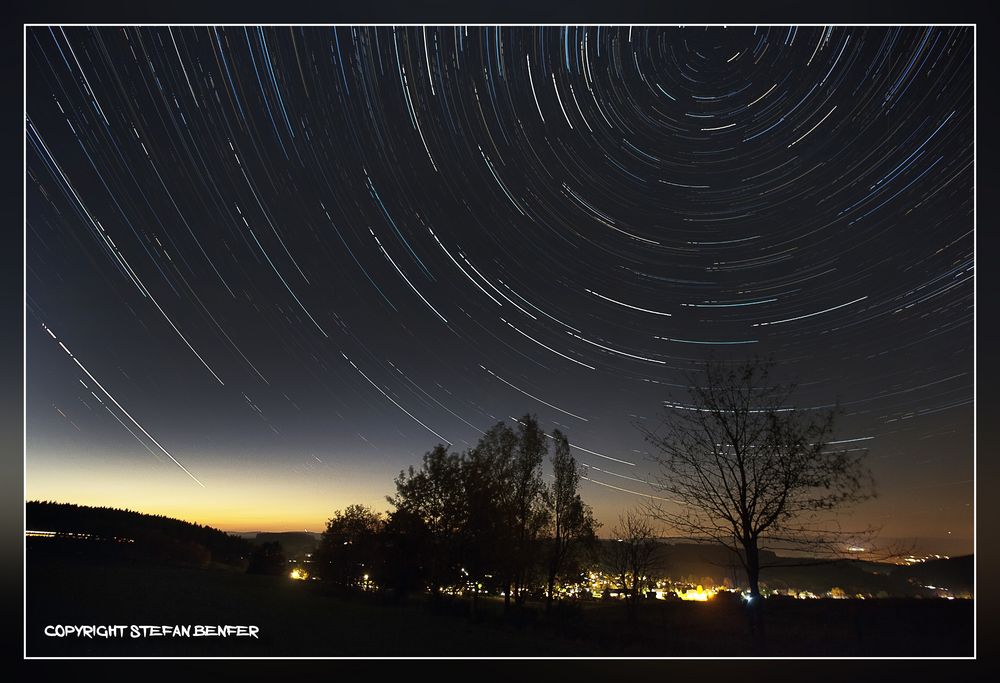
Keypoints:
pixel 267 558
pixel 484 520
pixel 135 535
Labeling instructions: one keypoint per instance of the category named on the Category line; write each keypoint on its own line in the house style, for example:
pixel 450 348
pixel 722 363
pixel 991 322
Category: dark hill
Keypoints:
pixel 111 533
pixel 296 544
pixel 955 574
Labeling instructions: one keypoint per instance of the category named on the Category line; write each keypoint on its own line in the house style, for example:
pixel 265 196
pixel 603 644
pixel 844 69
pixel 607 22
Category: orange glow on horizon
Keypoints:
pixel 232 500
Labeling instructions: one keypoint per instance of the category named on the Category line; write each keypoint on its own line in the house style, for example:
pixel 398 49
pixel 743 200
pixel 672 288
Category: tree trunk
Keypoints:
pixel 553 571
pixel 553 567
pixel 519 594
pixel 635 596
pixel 755 606
pixel 753 568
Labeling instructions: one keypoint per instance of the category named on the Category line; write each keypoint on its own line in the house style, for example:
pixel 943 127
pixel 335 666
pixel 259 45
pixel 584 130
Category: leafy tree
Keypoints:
pixel 528 514
pixel 349 547
pixel 434 495
pixel 405 541
pixel 573 523
pixel 483 514
pixel 487 538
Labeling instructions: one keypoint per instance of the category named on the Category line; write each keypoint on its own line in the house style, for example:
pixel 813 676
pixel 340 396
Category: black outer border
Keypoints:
pixel 484 11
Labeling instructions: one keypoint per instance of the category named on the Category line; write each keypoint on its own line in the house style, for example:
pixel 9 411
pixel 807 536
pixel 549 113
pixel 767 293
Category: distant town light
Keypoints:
pixel 698 594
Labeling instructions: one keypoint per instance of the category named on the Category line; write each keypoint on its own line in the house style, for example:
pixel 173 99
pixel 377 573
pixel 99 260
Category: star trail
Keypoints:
pixel 297 258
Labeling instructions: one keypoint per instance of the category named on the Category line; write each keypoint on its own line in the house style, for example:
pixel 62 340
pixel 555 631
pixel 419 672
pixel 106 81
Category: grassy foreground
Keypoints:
pixel 300 618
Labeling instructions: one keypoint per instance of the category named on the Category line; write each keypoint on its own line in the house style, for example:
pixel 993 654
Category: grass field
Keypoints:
pixel 302 618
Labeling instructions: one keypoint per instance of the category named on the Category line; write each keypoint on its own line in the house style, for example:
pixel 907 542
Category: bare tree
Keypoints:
pixel 631 554
pixel 743 468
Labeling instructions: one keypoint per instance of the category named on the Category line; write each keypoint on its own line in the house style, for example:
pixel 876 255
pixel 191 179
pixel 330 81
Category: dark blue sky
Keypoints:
pixel 288 261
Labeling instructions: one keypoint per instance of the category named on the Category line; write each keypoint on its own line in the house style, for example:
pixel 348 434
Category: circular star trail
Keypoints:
pixel 289 260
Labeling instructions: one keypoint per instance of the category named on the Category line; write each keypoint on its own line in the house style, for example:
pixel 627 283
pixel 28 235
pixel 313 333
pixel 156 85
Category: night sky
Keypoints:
pixel 269 268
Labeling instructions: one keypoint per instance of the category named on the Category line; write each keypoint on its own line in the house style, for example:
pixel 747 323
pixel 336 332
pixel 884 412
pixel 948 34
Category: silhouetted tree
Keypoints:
pixel 434 495
pixel 487 538
pixel 267 558
pixel 528 514
pixel 573 523
pixel 406 544
pixel 631 553
pixel 743 468
pixel 349 547
pixel 483 513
